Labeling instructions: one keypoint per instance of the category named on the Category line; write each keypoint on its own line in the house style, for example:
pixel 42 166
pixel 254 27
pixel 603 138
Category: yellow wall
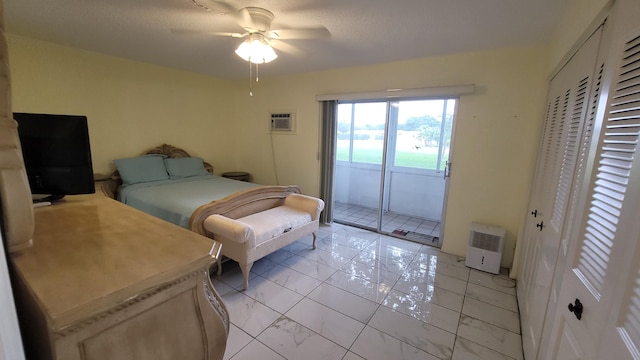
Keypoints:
pixel 132 106
pixel 496 135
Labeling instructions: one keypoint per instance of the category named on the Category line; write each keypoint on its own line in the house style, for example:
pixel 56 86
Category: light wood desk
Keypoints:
pixel 106 281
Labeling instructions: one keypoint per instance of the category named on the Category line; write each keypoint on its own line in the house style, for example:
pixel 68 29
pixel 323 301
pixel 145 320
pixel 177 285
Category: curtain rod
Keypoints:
pixel 436 91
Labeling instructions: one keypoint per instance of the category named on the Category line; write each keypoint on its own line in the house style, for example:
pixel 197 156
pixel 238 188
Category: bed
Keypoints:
pixel 168 183
pixel 250 220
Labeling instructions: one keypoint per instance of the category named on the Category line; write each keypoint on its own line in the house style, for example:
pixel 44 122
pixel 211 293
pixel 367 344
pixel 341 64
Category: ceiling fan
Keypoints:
pixel 258 35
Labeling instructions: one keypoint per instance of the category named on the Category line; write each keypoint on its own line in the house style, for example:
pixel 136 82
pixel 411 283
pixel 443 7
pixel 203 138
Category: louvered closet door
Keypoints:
pixel 569 95
pixel 623 330
pixel 600 295
pixel 579 168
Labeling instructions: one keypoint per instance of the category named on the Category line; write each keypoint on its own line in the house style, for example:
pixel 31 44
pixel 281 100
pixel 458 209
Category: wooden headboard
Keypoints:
pixel 172 152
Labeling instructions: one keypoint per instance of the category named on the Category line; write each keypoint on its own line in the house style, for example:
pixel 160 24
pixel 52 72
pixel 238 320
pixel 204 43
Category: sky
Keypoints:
pixel 375 112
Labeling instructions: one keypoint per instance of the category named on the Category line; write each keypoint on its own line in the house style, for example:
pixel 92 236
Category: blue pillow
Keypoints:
pixel 179 168
pixel 142 169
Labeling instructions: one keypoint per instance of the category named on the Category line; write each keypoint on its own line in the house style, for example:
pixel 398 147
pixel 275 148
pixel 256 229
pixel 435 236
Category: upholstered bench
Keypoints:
pixel 265 229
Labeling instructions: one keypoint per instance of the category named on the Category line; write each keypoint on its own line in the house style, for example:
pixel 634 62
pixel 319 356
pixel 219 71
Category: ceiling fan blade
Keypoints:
pixel 301 33
pixel 232 34
pixel 206 32
pixel 287 48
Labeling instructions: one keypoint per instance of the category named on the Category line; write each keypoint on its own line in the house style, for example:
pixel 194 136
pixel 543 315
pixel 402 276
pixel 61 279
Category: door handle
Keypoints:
pixel 576 308
pixel 447 170
pixel 540 226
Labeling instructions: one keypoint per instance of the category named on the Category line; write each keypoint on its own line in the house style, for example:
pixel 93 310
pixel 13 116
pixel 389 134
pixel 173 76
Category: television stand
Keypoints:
pixel 48 198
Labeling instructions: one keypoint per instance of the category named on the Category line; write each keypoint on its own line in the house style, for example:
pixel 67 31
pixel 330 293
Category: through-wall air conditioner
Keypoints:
pixel 485 247
pixel 282 122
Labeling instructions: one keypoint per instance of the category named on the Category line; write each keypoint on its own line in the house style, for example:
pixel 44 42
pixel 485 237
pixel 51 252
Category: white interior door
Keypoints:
pixel 568 99
pixel 10 340
pixel 532 253
pixel 602 269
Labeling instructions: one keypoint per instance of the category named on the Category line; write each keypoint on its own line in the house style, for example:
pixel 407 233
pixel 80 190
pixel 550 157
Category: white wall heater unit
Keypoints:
pixel 485 247
pixel 282 122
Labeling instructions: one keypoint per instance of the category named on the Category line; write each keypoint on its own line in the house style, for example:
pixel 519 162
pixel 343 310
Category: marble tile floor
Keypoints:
pixel 363 295
pixel 367 217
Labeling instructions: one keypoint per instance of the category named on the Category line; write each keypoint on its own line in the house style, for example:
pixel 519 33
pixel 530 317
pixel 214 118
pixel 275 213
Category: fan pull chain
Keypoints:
pixel 250 80
pixel 251 76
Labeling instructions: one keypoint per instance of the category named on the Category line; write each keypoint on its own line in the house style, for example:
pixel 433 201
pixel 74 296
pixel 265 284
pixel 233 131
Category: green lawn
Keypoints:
pixel 403 158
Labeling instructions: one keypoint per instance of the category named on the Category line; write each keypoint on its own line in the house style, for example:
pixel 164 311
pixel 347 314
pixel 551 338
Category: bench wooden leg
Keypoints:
pixel 246 268
pixel 314 240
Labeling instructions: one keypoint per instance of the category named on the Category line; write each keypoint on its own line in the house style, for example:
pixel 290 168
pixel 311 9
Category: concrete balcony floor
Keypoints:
pixel 411 228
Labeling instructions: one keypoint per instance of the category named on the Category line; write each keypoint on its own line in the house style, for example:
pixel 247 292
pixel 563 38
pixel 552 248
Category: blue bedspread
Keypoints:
pixel 176 200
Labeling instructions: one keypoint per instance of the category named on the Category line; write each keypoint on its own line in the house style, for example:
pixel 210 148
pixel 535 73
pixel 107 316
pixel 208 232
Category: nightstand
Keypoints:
pixel 237 175
pixel 105 184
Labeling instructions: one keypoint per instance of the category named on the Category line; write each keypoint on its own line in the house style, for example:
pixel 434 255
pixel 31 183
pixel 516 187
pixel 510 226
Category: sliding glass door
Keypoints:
pixel 359 157
pixel 390 166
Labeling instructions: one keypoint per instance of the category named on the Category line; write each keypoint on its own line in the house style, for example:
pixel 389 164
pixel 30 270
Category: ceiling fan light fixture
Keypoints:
pixel 256 50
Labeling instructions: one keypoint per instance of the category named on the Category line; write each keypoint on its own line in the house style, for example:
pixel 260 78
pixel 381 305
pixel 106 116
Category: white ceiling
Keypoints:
pixel 362 31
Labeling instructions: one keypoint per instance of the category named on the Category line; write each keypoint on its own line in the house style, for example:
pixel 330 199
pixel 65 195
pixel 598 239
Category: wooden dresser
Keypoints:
pixel 106 281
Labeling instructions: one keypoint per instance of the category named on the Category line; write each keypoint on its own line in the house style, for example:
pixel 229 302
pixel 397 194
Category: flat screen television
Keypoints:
pixel 57 154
